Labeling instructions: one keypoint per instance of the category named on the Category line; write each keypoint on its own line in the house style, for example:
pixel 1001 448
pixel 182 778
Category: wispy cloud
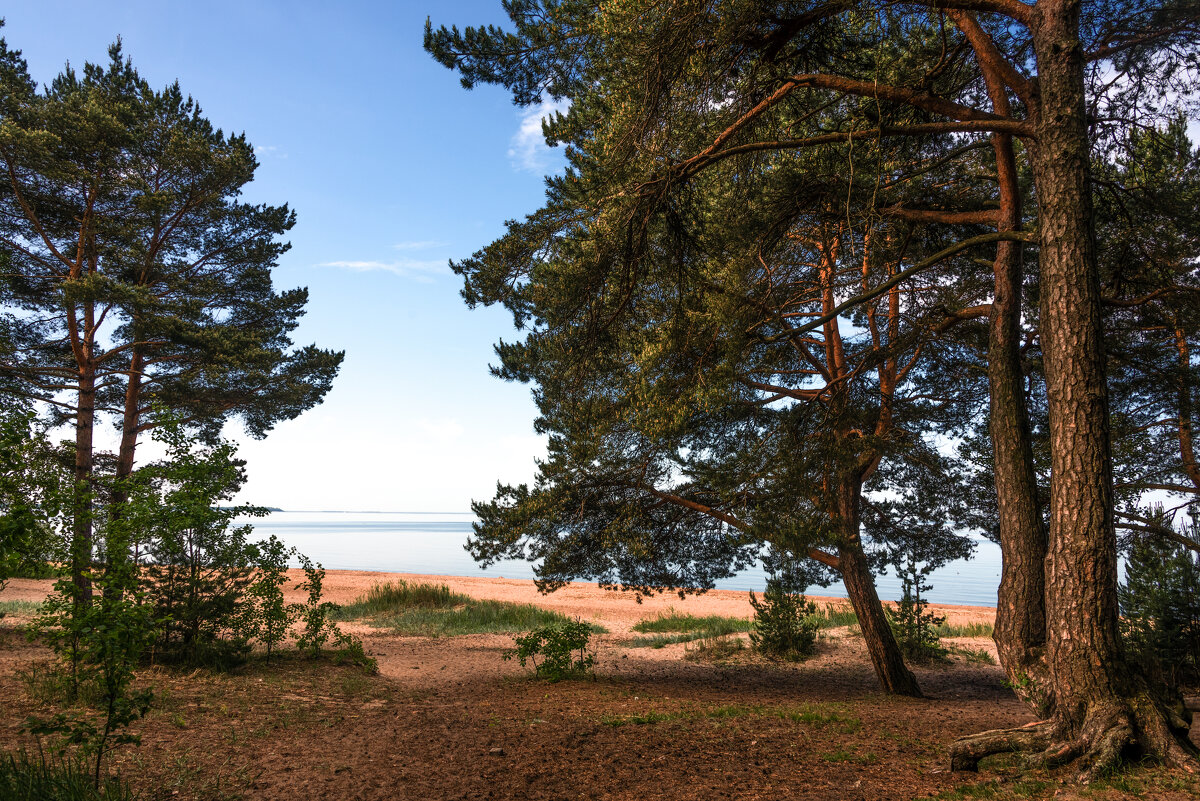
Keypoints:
pixel 269 152
pixel 420 244
pixel 528 149
pixel 416 269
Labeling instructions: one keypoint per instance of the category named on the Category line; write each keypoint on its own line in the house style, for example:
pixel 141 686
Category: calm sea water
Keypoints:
pixel 433 544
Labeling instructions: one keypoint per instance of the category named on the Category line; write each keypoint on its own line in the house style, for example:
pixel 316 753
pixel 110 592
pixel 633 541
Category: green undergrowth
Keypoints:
pixel 433 610
pixel 23 608
pixel 1011 780
pixel 34 778
pixel 835 617
pixel 673 627
pixel 963 629
pixel 819 715
pixel 975 656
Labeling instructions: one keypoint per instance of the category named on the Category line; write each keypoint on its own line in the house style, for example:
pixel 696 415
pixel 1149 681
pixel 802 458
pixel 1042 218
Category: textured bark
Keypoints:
pixel 131 419
pixel 1083 646
pixel 81 534
pixel 1020 633
pixel 894 676
pixel 1100 708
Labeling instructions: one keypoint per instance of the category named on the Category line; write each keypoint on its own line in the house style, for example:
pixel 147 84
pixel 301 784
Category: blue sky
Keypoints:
pixel 393 168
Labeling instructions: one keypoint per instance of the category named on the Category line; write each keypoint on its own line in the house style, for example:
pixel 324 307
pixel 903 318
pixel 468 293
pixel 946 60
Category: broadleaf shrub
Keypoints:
pixel 555 652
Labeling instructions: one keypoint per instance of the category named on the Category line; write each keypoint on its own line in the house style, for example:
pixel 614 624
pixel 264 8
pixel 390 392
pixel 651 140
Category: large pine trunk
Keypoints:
pixel 1100 708
pixel 1083 645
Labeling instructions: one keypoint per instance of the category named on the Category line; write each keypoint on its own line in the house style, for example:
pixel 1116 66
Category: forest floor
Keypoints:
pixel 448 718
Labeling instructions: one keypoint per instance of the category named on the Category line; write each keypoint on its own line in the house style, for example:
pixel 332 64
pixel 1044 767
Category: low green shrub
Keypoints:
pixel 555 652
pixel 785 623
pixel 1160 612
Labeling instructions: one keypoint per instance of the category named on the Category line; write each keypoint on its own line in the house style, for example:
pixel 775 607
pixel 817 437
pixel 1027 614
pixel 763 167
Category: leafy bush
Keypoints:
pixel 265 616
pixel 102 639
pixel 1160 612
pixel 196 565
pixel 785 623
pixel 555 652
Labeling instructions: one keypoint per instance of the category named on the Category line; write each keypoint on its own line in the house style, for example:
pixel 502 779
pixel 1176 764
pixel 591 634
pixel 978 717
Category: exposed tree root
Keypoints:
pixel 966 752
pixel 1110 732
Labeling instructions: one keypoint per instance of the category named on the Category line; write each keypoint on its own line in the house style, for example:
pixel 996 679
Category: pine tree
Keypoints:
pixel 136 275
pixel 675 91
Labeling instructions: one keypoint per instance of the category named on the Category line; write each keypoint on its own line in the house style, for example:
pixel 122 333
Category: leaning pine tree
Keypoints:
pixel 706 390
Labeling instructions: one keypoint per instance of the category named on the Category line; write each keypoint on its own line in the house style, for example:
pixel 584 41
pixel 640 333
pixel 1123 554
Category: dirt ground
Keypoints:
pixel 448 718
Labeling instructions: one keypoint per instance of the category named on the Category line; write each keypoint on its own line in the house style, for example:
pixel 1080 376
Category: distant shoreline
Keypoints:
pixel 578 598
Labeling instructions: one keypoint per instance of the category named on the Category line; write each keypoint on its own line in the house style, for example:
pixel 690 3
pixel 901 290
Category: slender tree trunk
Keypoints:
pixel 118 550
pixel 894 675
pixel 131 419
pixel 81 535
pixel 1020 633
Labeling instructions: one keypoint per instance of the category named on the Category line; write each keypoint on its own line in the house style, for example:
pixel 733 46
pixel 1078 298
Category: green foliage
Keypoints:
pixel 55 778
pixel 32 489
pixel 182 263
pixel 785 623
pixel 916 628
pixel 432 610
pixel 832 617
pixel 317 617
pixel 945 629
pixel 714 649
pixel 1160 612
pixel 672 627
pixel 196 565
pixel 389 596
pixel 672 621
pixel 265 616
pixel 555 652
pixel 102 639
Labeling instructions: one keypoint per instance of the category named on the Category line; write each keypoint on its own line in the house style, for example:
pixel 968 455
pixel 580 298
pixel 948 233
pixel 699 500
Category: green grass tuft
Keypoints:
pixel 976 656
pixel 55 779
pixel 672 621
pixel 964 630
pixel 671 627
pixel 835 617
pixel 23 608
pixel 432 610
pixel 820 715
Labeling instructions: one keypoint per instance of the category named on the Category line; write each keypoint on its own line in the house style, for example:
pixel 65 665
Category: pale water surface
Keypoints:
pixel 432 543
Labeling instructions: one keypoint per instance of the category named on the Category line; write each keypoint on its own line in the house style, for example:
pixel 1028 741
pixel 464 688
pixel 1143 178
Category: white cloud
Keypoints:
pixel 528 149
pixel 268 151
pixel 416 269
